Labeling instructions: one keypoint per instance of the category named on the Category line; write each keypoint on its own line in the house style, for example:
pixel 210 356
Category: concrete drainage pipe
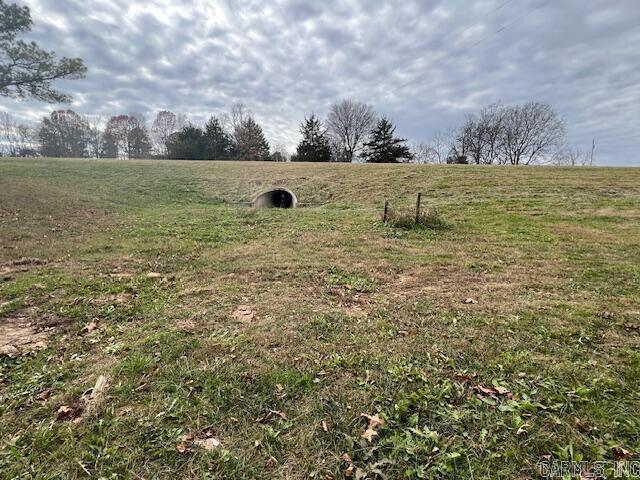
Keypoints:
pixel 275 198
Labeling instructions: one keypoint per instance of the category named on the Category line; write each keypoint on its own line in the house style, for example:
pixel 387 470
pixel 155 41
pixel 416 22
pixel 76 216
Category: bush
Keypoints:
pixel 430 219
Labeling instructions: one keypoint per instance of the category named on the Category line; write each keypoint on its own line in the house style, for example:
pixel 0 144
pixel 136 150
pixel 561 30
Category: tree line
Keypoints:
pixel 527 134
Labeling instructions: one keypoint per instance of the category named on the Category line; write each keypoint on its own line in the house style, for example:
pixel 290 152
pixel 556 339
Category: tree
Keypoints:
pixel 314 146
pixel 163 126
pixel 139 142
pixel 189 143
pixel 348 123
pixel 532 132
pixel 249 141
pixel 280 154
pixel 94 136
pixel 64 134
pixel 16 140
pixel 126 137
pixel 383 146
pixel 26 70
pixel 433 151
pixel 219 145
pixel 480 138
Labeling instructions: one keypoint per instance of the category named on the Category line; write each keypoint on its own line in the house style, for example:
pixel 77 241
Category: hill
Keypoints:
pixel 154 326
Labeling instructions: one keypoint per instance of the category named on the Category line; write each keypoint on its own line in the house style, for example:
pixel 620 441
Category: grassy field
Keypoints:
pixel 316 342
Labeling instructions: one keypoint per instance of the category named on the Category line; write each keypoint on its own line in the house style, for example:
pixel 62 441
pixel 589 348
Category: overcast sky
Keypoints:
pixel 425 64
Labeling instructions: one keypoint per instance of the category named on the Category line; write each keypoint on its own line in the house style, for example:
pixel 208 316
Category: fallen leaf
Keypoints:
pixel 374 421
pixel 182 447
pixel 502 391
pixel 346 457
pixel 350 470
pixel 44 395
pixel 90 327
pixel 244 313
pixel 324 426
pixel 581 426
pixel 65 412
pixel 486 390
pixel 369 433
pixel 463 377
pixel 208 443
pixel 470 301
pixel 620 453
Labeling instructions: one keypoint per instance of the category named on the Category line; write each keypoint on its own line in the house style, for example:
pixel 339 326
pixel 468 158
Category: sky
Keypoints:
pixel 424 63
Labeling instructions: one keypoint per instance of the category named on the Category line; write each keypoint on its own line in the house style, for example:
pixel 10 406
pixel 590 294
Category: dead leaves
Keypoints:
pixel 352 471
pixel 620 453
pixel 89 404
pixel 205 440
pixel 374 422
pixel 90 327
pixel 66 412
pixel 493 392
pixel 470 301
pixel 244 313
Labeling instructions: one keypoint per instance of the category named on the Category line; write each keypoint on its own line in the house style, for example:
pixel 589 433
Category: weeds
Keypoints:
pixel 430 219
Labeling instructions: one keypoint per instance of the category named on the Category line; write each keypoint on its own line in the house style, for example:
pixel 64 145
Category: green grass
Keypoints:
pixel 351 317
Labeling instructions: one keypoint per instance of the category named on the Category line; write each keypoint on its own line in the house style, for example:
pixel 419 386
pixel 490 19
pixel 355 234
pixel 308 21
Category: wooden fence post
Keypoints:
pixel 418 207
pixel 386 210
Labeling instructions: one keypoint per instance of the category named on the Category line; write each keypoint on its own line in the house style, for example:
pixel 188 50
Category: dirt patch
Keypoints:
pixel 26 333
pixel 21 265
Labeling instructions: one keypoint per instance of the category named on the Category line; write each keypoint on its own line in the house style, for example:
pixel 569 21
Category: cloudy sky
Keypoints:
pixel 424 63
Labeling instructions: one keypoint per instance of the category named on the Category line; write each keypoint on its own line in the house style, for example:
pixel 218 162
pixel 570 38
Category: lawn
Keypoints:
pixel 316 342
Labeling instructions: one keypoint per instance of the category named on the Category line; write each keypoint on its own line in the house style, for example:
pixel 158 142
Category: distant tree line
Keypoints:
pixel 526 134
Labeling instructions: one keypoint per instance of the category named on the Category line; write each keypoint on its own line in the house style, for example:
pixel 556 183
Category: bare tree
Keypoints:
pixel 280 153
pixel 16 139
pixel 532 133
pixel 434 151
pixel 571 157
pixel 348 124
pixel 94 135
pixel 235 119
pixel 480 138
pixel 163 126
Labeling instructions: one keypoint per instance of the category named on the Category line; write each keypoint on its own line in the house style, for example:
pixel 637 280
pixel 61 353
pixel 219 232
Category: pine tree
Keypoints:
pixel 314 146
pixel 250 142
pixel 219 145
pixel 383 147
pixel 187 144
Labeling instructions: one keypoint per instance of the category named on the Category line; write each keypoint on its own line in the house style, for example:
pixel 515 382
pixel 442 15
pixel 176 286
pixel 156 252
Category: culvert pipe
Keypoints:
pixel 275 198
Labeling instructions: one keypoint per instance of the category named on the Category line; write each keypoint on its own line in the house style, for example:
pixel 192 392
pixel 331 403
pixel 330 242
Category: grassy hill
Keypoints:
pixel 316 342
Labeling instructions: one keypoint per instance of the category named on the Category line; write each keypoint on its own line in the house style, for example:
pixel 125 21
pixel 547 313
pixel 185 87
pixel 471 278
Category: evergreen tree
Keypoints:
pixel 383 147
pixel 314 146
pixel 26 70
pixel 187 144
pixel 250 142
pixel 218 143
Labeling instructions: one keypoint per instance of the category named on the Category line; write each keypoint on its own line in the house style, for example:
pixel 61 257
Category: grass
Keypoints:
pixel 350 317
